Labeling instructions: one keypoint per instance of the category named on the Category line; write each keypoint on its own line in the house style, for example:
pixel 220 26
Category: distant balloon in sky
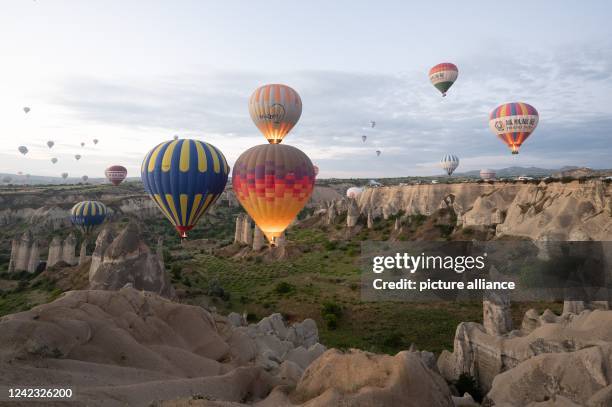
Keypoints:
pixel 273 182
pixel 64 175
pixel 372 123
pixel 513 123
pixel 82 144
pixel 487 174
pixel 378 152
pixel 50 143
pixel 443 75
pixel 364 138
pixel 95 141
pixel 316 170
pixel 26 109
pixel 354 192
pixel 7 179
pixel 77 157
pixel 116 174
pixel 449 163
pixel 84 178
pixel 87 215
pixel 175 137
pixel 54 160
pixel 23 150
pixel 184 178
pixel 275 109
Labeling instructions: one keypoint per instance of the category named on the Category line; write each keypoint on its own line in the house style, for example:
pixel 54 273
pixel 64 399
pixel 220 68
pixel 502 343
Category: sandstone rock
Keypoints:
pixel 23 252
pixel 497 318
pixel 34 259
pixel 247 234
pixel 129 260
pixel 68 250
pixel 359 378
pixel 259 240
pixel 235 319
pixel 104 239
pixel 352 214
pixel 238 232
pixel 55 251
pixel 13 259
pixel 83 252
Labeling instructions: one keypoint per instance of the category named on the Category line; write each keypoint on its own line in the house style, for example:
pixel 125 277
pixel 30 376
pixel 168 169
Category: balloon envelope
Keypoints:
pixel 116 174
pixel 487 174
pixel 273 182
pixel 64 175
pixel 513 123
pixel 95 141
pixel 449 163
pixel 354 192
pixel 372 123
pixel 378 152
pixel 23 150
pixel 184 178
pixel 50 143
pixel 316 170
pixel 85 178
pixel 275 109
pixel 54 160
pixel 26 109
pixel 443 75
pixel 77 156
pixel 364 138
pixel 86 215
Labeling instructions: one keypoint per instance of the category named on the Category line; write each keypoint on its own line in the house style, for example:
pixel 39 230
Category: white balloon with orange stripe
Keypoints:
pixel 443 75
pixel 275 110
pixel 184 178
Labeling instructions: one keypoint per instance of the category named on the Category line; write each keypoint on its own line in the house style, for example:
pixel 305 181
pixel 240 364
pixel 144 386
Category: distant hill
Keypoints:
pixel 514 172
pixel 46 180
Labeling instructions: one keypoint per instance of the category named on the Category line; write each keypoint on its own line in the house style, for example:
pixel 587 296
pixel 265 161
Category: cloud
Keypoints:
pixel 415 126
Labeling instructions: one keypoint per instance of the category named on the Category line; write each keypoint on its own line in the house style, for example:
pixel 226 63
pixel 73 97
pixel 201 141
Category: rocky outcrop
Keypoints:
pixel 358 378
pixel 247 231
pixel 259 240
pixel 104 239
pixel 239 227
pixel 483 355
pixel 496 313
pixel 34 259
pixel 55 251
pixel 352 213
pixel 128 260
pixel 138 348
pixel 25 254
pixel 69 250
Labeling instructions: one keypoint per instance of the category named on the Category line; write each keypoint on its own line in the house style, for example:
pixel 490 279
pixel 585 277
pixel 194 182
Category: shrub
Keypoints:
pixel 467 384
pixel 283 287
pixel 331 321
pixel 331 308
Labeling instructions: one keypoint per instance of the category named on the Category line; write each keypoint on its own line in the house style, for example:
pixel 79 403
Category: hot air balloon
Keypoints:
pixel 273 182
pixel 87 215
pixel 354 192
pixel 443 75
pixel 116 174
pixel 364 138
pixel 378 152
pixel 26 110
pixel 19 173
pixel 513 123
pixel 316 170
pixel 449 163
pixel 64 175
pixel 84 178
pixel 184 178
pixel 77 157
pixel 175 137
pixel 7 179
pixel 95 141
pixel 54 160
pixel 487 174
pixel 372 123
pixel 82 144
pixel 275 109
pixel 50 143
pixel 23 150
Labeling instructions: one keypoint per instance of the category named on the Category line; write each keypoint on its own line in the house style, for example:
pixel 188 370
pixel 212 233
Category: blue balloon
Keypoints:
pixel 87 215
pixel 184 178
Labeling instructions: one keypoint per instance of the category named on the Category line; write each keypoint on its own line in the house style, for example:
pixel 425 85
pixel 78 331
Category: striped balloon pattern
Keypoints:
pixel 273 182
pixel 275 109
pixel 443 75
pixel 449 163
pixel 116 174
pixel 513 123
pixel 86 215
pixel 184 178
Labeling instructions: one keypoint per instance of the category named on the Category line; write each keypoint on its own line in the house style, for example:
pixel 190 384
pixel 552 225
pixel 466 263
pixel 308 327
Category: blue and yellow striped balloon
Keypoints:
pixel 184 178
pixel 87 215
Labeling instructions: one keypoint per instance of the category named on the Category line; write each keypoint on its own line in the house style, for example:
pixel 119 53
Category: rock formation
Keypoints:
pixel 83 252
pixel 331 213
pixel 352 213
pixel 129 260
pixel 238 232
pixel 496 313
pixel 370 222
pixel 34 259
pixel 259 240
pixel 13 259
pixel 138 348
pixel 247 232
pixel 25 254
pixel 69 249
pixel 55 251
pixel 104 239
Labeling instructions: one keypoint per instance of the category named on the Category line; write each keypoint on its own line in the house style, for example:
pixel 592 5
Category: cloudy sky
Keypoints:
pixel 133 74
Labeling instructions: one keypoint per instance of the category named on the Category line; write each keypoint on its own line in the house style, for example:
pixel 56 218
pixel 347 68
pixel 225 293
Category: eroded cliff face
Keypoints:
pixel 554 211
